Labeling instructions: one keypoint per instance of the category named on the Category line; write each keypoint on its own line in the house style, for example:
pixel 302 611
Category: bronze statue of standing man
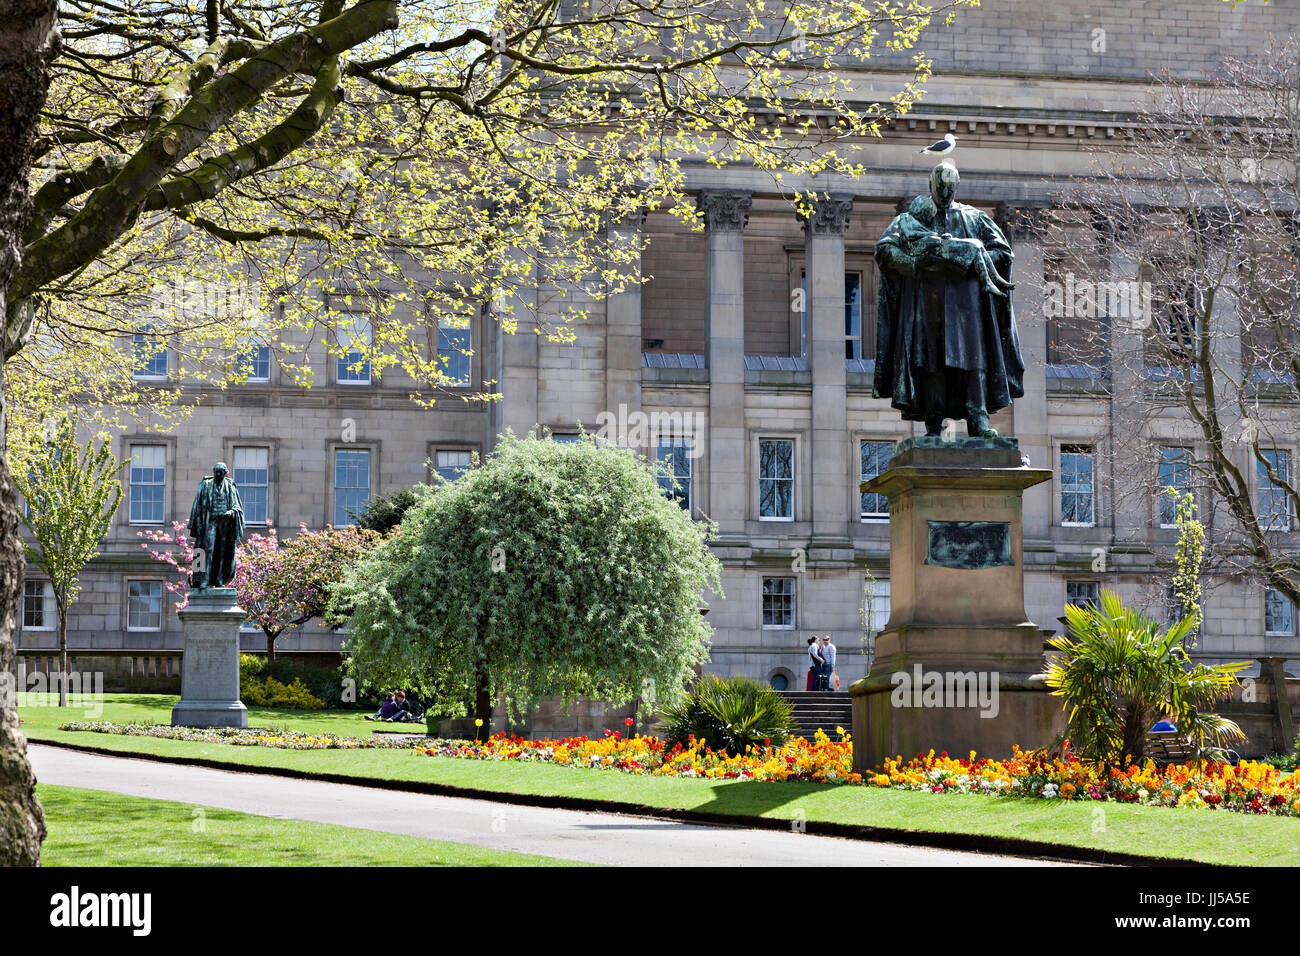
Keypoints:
pixel 216 527
pixel 946 344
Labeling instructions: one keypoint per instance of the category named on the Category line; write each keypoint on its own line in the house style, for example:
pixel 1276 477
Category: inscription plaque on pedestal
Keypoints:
pixel 969 544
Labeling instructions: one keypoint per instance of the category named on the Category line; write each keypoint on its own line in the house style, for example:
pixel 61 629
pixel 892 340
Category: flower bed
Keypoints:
pixel 1248 788
pixel 247 737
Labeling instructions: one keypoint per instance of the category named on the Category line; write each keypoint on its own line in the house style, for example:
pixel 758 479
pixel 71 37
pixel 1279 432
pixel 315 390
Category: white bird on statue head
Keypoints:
pixel 941 149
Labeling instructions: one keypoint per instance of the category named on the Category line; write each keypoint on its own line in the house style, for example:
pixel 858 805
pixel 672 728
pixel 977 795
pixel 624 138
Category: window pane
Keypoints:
pixel 149 356
pixel 1082 593
pixel 1279 613
pixel 351 484
pixel 34 605
pixel 144 606
pixel 778 602
pixel 1175 472
pixel 776 478
pixel 1077 498
pixel 148 483
pixel 852 315
pixel 252 475
pixel 1274 508
pixel 256 362
pixel 876 456
pixel 1181 310
pixel 803 314
pixel 876 606
pixel 454 351
pixel 673 459
pixel 450 465
pixel 353 366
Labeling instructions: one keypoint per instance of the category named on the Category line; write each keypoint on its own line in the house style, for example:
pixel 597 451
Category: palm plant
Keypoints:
pixel 730 714
pixel 1118 672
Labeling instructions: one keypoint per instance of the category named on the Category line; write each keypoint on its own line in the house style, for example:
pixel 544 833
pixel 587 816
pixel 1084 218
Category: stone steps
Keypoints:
pixel 823 710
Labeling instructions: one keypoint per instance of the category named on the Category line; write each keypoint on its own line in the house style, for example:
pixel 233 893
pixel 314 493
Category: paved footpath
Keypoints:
pixel 609 838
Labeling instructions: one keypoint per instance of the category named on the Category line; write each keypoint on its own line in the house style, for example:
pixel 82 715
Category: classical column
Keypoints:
pixel 515 353
pixel 725 214
pixel 824 301
pixel 623 322
pixel 1130 504
pixel 1226 337
pixel 1023 227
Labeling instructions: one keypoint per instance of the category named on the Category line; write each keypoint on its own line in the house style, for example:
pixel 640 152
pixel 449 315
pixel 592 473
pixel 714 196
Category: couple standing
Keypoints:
pixel 821 675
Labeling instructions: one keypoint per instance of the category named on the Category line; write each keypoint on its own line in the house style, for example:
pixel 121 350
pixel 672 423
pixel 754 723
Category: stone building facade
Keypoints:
pixel 774 400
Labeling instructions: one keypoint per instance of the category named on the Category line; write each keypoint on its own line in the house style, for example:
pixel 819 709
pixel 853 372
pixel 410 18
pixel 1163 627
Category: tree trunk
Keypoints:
pixel 483 705
pixel 1136 725
pixel 63 655
pixel 28 39
pixel 270 648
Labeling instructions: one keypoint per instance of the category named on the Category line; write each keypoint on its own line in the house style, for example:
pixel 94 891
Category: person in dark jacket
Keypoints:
pixel 403 714
pixel 818 667
pixel 386 709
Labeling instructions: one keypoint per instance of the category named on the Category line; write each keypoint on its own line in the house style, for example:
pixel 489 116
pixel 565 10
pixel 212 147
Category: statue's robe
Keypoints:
pixel 933 321
pixel 218 536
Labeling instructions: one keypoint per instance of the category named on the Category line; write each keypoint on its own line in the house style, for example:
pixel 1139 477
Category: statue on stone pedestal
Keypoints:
pixel 216 528
pixel 946 341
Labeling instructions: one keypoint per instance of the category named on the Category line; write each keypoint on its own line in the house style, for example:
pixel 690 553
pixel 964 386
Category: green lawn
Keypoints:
pixel 39 709
pixel 1201 835
pixel 96 828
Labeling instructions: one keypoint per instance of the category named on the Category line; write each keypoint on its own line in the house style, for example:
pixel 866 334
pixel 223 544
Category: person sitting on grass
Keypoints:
pixel 403 713
pixel 386 709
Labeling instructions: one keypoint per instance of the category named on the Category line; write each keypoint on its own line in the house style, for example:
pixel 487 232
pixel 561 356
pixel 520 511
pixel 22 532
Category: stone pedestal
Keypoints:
pixel 952 666
pixel 210 667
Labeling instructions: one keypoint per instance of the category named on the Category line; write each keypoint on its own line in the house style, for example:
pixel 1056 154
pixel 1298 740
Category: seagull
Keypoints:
pixel 941 148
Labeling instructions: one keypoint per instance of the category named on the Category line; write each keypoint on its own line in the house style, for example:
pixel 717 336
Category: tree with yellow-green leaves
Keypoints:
pixel 214 177
pixel 71 494
pixel 210 176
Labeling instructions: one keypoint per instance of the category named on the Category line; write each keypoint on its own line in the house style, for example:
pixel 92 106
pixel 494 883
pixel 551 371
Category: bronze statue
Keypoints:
pixel 216 528
pixel 946 341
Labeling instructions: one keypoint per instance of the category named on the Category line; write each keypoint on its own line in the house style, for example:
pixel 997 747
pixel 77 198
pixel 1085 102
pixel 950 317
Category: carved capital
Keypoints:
pixel 829 215
pixel 626 222
pixel 724 210
pixel 1022 223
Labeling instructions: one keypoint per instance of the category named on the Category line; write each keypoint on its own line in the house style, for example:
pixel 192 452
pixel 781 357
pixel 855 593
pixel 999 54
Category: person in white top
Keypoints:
pixel 828 655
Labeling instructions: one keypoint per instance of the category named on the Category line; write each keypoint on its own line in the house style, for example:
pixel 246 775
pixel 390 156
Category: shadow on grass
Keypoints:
pixel 147 701
pixel 750 799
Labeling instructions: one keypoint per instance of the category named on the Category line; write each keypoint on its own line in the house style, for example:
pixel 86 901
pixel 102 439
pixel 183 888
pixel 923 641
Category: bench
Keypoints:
pixel 1168 747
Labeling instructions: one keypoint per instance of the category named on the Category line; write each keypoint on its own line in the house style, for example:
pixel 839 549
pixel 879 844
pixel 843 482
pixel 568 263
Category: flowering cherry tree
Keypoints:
pixel 280 584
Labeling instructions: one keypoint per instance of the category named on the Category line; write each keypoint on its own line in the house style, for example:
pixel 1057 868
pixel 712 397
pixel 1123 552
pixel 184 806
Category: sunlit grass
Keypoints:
pixel 97 828
pixel 1204 835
